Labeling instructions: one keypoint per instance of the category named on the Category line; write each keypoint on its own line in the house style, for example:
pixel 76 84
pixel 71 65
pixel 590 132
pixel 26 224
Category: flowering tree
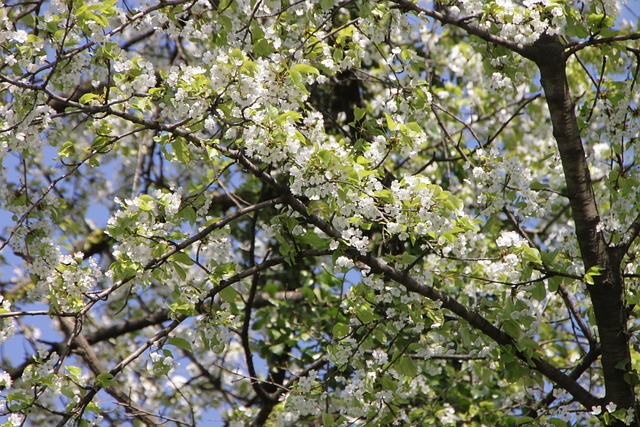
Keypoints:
pixel 319 212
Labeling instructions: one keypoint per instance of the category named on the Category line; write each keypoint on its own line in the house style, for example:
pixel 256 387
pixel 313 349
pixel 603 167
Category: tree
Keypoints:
pixel 320 212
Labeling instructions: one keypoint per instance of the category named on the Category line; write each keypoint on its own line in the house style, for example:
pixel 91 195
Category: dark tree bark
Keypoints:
pixel 607 293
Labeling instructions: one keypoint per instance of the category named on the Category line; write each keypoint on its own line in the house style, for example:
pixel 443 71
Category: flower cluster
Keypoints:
pixel 523 22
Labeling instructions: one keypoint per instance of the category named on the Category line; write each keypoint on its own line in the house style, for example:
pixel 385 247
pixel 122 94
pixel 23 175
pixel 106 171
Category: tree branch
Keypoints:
pixel 630 235
pixel 461 23
pixel 474 319
pixel 477 321
pixel 95 365
pixel 87 398
pixel 102 334
pixel 575 373
pixel 574 47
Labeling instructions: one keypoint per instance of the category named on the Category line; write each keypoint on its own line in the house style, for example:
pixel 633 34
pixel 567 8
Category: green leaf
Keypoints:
pixel 282 118
pixel 229 294
pixel 556 422
pixel 340 330
pixel 632 378
pixel 326 4
pixel 623 365
pixel 183 308
pixel 549 257
pixel 93 407
pixel 511 327
pixel 182 274
pixel 182 258
pixel 599 20
pixel 263 48
pixel 553 283
pixel 88 97
pixel 105 379
pixel 391 124
pixel 539 292
pixel 313 240
pixel 68 149
pixel 529 254
pixel 407 54
pixel 304 68
pixel 189 214
pixel 406 367
pixel 180 150
pixel 594 271
pixel 538 185
pixel 297 79
pixel 75 372
pixel 277 349
pixel 338 55
pixel 146 202
pixel 380 335
pixel 180 343
pixel 365 313
pixel 413 129
pixel 575 26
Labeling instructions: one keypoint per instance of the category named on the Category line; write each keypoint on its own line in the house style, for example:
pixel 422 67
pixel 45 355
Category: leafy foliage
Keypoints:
pixel 318 212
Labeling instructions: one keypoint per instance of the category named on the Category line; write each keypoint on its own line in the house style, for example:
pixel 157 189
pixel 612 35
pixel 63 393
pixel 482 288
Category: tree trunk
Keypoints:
pixel 607 293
